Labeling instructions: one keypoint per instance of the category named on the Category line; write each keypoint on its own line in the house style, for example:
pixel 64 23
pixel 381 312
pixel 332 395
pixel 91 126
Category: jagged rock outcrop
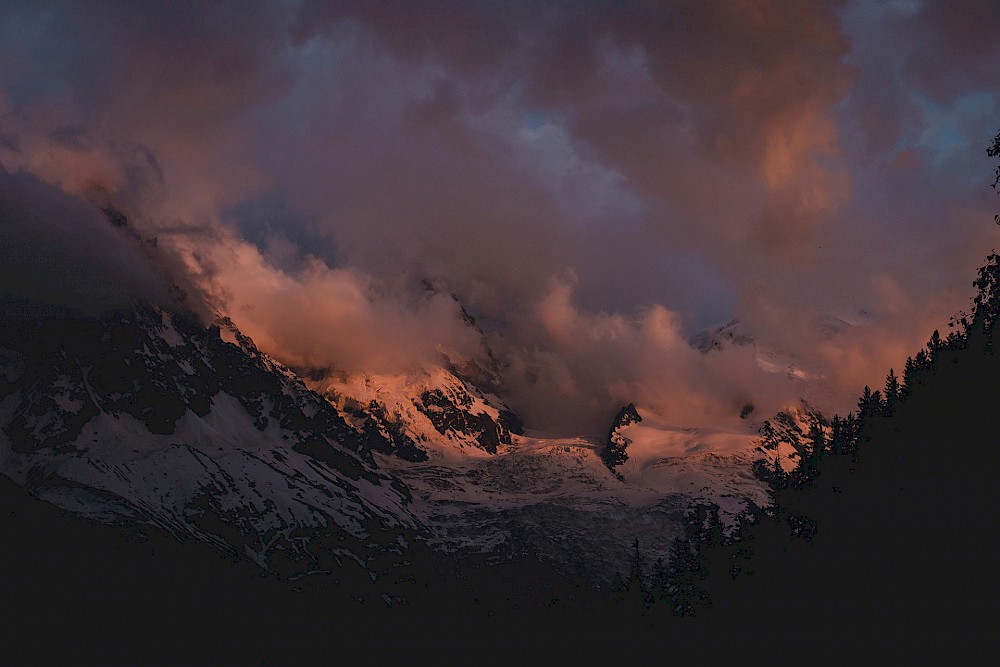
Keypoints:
pixel 613 454
pixel 424 412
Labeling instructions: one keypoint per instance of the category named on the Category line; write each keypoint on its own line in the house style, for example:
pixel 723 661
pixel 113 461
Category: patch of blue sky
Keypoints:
pixel 953 130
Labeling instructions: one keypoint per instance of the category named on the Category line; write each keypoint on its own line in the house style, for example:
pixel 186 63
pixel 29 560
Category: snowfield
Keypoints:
pixel 555 498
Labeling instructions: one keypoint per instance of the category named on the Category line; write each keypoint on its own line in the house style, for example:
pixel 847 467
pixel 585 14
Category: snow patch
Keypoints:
pixel 68 403
pixel 168 332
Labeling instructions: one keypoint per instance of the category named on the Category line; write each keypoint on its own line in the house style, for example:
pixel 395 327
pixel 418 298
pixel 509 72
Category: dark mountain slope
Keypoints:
pixel 76 592
pixel 146 417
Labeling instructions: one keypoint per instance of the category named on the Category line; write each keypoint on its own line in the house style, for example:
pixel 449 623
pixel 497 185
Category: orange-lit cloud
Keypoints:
pixel 594 181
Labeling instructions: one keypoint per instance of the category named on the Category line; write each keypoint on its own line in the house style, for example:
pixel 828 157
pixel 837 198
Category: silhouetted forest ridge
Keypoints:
pixel 889 514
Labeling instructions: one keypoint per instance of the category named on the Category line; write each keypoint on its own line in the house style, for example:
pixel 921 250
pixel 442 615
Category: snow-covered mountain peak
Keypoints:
pixel 421 414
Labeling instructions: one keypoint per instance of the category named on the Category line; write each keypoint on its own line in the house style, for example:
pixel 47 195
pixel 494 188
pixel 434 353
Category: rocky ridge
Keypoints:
pixel 146 417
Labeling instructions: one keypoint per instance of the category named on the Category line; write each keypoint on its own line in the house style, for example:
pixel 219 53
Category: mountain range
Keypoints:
pixel 148 418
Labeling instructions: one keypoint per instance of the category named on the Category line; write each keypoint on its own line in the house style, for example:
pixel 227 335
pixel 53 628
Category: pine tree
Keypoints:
pixel 687 574
pixel 817 437
pixel 843 437
pixel 870 406
pixel 994 151
pixel 690 565
pixel 986 303
pixel 685 594
pixel 891 391
pixel 955 341
pixel 935 345
pixel 635 585
pixel 771 473
pixel 660 588
pixel 867 402
pixel 909 378
pixel 742 542
pixel 836 435
pixel 878 402
pixel 619 589
pixel 852 429
pixel 779 478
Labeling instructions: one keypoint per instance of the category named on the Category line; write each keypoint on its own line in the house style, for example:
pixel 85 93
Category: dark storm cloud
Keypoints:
pixel 598 180
pixel 62 249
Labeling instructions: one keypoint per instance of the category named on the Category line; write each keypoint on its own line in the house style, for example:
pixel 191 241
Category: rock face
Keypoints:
pixel 720 337
pixel 449 412
pixel 787 436
pixel 613 454
pixel 147 416
pixel 427 412
pixel 626 416
pixel 421 414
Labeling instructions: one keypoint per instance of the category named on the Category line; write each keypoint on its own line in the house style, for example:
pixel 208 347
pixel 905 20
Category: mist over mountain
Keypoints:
pixel 495 315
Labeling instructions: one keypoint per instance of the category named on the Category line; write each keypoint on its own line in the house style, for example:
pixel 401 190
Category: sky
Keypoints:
pixel 594 182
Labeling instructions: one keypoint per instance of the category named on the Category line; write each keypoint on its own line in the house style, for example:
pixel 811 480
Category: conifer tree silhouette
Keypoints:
pixel 892 392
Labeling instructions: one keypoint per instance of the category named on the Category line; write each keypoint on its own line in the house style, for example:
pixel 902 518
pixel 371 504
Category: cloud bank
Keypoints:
pixel 595 182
